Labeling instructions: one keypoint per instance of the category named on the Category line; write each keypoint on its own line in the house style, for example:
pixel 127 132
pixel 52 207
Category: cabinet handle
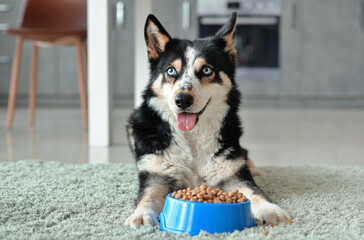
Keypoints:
pixel 186 12
pixel 361 14
pixel 4 59
pixel 120 14
pixel 294 15
pixel 4 7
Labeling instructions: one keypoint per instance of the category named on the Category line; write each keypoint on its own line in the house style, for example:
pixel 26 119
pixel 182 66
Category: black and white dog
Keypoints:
pixel 186 132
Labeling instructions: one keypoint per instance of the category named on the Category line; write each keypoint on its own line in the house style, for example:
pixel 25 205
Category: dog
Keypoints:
pixel 186 131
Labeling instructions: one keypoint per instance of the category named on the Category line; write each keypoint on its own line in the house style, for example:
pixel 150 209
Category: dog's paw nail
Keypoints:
pixel 270 213
pixel 139 218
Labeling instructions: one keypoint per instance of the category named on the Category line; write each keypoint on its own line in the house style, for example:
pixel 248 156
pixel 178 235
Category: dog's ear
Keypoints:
pixel 227 34
pixel 156 37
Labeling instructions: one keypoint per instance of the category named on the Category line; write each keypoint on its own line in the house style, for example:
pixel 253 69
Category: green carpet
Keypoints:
pixel 63 201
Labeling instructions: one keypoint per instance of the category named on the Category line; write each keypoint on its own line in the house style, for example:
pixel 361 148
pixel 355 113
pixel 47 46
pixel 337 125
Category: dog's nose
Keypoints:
pixel 183 100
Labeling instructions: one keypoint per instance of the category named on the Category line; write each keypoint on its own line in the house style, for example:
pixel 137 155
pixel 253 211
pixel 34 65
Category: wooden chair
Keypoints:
pixel 50 23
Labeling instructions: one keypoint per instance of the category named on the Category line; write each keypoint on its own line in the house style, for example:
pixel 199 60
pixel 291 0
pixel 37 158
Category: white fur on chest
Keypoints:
pixel 190 157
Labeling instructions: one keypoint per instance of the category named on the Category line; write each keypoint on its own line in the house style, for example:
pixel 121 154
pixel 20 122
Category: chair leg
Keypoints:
pixel 33 84
pixel 14 81
pixel 81 83
pixel 84 46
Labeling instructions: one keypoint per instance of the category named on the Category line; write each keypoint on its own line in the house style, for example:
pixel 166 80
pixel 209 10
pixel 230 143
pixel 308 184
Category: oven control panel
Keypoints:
pixel 242 7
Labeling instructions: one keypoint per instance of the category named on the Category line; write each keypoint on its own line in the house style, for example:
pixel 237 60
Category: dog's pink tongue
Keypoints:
pixel 186 121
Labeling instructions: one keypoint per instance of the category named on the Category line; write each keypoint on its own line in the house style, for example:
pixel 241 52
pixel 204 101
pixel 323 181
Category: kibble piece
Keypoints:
pixel 256 219
pixel 240 200
pixel 178 196
pixel 265 233
pixel 289 221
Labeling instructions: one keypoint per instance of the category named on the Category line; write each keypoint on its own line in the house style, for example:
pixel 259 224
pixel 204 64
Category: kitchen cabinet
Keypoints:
pixel 290 54
pixel 322 53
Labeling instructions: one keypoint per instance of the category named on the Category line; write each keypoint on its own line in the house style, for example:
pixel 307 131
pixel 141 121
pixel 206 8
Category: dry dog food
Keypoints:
pixel 206 194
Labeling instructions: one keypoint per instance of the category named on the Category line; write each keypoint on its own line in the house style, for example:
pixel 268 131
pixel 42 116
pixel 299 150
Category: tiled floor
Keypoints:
pixel 274 137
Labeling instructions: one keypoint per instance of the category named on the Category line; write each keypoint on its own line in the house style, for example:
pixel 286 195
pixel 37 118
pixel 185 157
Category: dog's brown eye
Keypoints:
pixel 206 71
pixel 171 72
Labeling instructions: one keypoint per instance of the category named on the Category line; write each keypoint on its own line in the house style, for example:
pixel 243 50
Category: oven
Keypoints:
pixel 257 35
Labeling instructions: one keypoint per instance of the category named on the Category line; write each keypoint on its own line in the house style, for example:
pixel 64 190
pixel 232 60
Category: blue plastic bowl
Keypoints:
pixel 180 216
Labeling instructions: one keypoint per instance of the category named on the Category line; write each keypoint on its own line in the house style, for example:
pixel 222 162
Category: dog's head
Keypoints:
pixel 189 77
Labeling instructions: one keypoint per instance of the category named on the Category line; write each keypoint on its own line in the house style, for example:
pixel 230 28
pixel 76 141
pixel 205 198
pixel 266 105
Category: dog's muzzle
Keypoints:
pixel 186 121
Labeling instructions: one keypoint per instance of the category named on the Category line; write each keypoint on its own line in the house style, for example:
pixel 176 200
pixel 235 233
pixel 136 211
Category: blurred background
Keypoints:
pixel 300 69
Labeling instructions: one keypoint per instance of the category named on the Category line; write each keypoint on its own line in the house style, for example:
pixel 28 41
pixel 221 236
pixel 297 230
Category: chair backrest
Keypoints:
pixel 55 14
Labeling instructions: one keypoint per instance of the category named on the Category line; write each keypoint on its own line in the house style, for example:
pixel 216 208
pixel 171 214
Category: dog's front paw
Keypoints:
pixel 270 213
pixel 142 217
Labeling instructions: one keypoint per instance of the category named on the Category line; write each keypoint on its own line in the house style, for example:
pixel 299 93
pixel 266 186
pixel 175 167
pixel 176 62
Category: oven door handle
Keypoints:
pixel 240 21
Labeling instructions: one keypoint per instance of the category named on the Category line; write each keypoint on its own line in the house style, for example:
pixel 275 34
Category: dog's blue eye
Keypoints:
pixel 206 71
pixel 171 72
